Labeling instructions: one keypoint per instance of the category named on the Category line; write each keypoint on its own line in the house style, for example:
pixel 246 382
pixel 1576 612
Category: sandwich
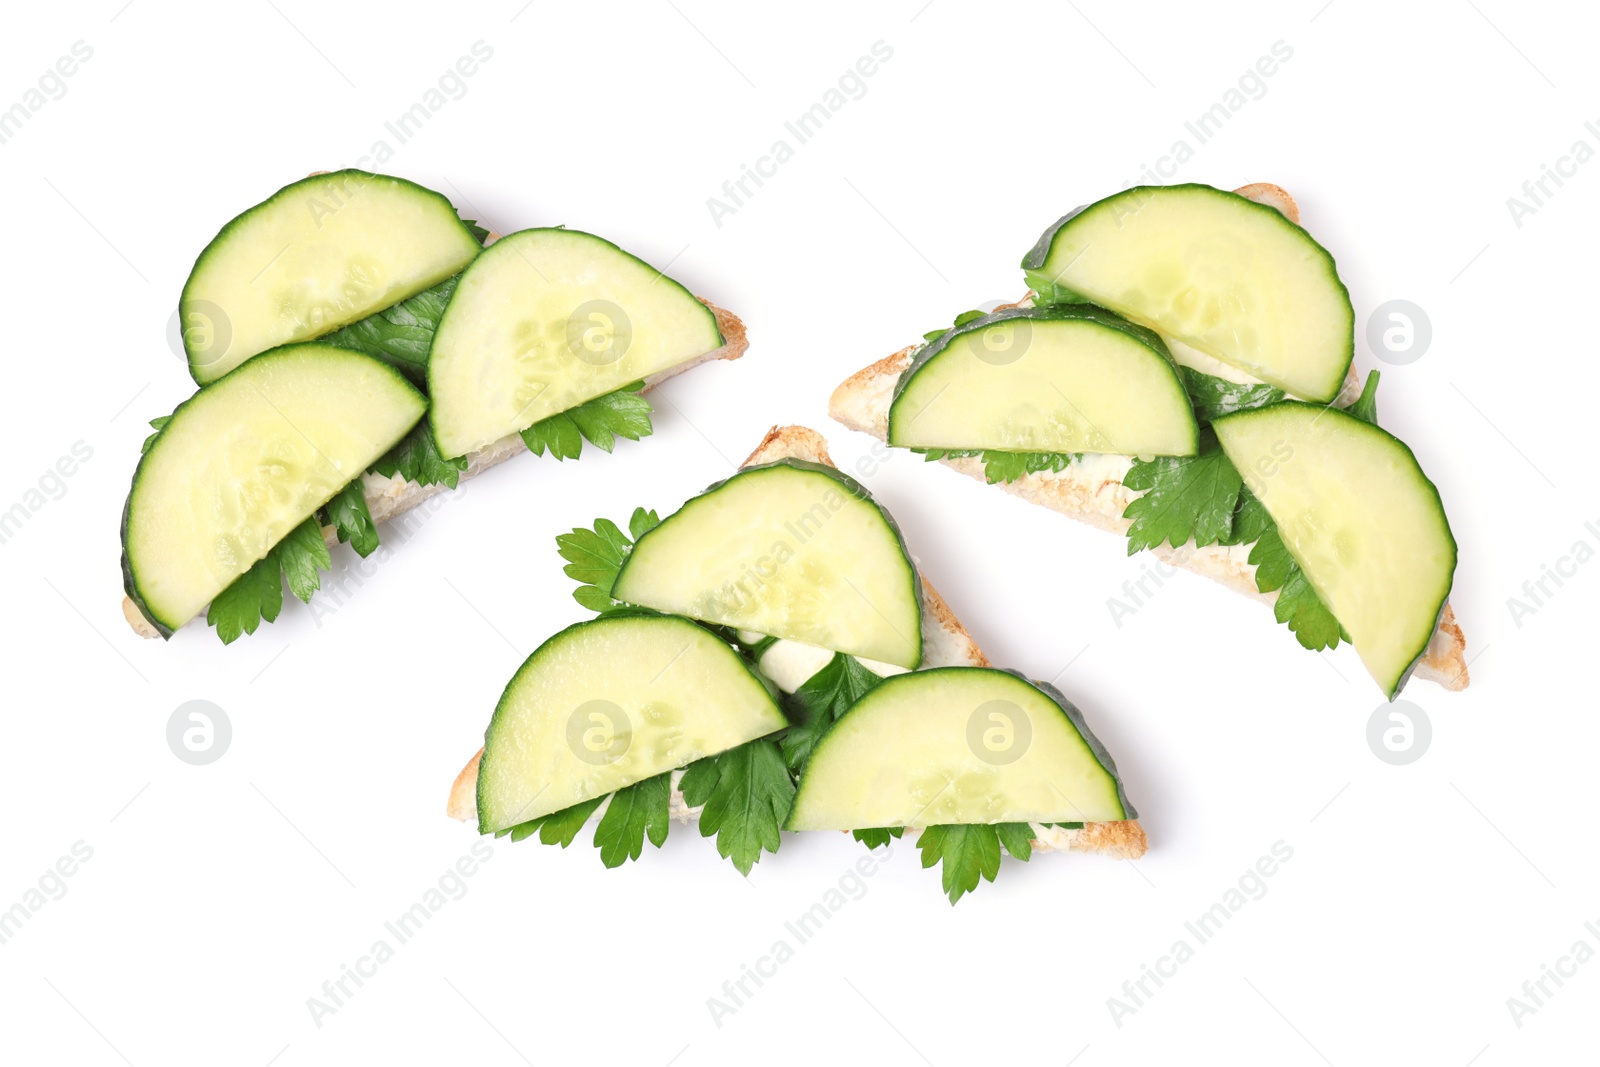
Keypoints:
pixel 1180 373
pixel 768 658
pixel 358 347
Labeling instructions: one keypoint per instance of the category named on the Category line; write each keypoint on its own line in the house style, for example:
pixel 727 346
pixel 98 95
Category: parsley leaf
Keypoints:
pixel 1047 291
pixel 417 459
pixel 557 828
pixel 1004 466
pixel 1009 466
pixel 636 812
pixel 1204 497
pixel 1365 407
pixel 600 421
pixel 258 593
pixel 255 595
pixel 1298 604
pixel 478 232
pixel 595 556
pixel 157 423
pixel 1187 497
pixel 1215 397
pixel 970 851
pixel 400 335
pixel 819 701
pixel 639 810
pixel 348 515
pixel 960 321
pixel 624 413
pixel 1017 837
pixel 300 554
pixel 930 454
pixel 642 522
pixel 1250 519
pixel 558 433
pixel 877 836
pixel 746 793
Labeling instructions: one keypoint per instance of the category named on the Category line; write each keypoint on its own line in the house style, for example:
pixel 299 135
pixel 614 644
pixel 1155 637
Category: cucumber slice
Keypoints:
pixel 317 255
pixel 958 745
pixel 791 549
pixel 1073 378
pixel 247 459
pixel 1231 277
pixel 1360 518
pixel 546 319
pixel 610 702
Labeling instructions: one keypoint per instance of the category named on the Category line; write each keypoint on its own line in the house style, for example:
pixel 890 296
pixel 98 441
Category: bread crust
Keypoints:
pixel 390 497
pixel 861 402
pixel 945 643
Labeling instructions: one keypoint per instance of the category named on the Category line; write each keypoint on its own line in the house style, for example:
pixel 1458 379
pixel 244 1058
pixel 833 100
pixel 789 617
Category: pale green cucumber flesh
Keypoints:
pixel 1065 379
pixel 1361 519
pixel 1231 277
pixel 546 319
pixel 610 702
pixel 319 254
pixel 791 549
pixel 247 459
pixel 957 745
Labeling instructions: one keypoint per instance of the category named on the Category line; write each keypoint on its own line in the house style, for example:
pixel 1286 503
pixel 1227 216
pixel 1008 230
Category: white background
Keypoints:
pixel 219 898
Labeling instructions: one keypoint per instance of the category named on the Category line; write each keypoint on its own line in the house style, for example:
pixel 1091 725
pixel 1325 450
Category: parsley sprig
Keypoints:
pixel 818 703
pixel 1185 497
pixel 417 459
pixel 594 556
pixel 400 335
pixel 1047 291
pixel 257 594
pixel 639 812
pixel 747 793
pixel 1204 498
pixel 347 513
pixel 1004 466
pixel 624 413
pixel 969 851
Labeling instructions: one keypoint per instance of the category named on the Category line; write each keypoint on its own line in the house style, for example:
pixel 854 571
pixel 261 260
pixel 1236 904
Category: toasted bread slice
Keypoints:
pixel 1092 491
pixel 389 497
pixel 945 643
